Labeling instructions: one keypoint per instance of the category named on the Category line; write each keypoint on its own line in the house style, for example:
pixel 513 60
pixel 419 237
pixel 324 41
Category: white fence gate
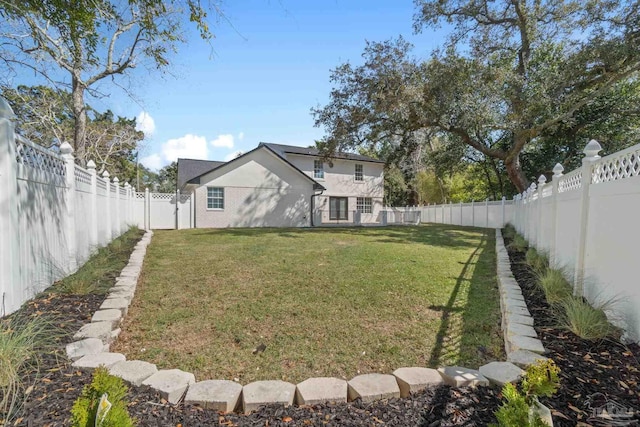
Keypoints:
pixel 163 210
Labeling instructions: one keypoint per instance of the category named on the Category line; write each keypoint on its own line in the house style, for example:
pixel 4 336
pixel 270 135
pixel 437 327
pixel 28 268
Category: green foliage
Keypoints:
pixel 540 379
pixel 509 231
pixel 519 243
pixel 586 321
pixel 98 273
pixel 538 261
pixel 554 285
pixel 83 413
pixel 541 70
pixel 21 340
pixel 396 190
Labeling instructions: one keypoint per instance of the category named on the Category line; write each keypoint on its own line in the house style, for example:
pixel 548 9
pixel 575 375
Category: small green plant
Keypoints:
pixel 538 261
pixel 518 410
pixel 519 243
pixel 86 407
pixel 586 321
pixel 21 340
pixel 554 285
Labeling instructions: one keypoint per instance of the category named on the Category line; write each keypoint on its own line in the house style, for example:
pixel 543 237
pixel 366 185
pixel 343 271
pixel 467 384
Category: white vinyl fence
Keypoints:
pixel 487 214
pixel 588 221
pixel 54 214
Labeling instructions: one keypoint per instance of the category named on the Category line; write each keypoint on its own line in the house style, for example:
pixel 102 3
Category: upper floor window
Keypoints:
pixel 318 169
pixel 359 173
pixel 215 198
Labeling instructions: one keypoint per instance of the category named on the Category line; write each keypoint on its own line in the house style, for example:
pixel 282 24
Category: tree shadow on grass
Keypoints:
pixel 431 234
pixel 473 338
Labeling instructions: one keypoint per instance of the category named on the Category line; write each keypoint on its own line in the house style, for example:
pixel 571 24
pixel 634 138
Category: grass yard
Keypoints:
pixel 324 302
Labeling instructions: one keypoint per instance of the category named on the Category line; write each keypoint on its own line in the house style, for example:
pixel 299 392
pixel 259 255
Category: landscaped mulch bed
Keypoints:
pixel 592 372
pixel 606 367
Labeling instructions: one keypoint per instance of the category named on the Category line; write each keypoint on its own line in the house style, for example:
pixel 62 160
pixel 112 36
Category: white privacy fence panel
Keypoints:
pixel 476 214
pixel 587 220
pixel 49 223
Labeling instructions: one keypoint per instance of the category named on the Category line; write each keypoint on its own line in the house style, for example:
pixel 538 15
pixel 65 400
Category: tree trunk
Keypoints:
pixel 80 117
pixel 515 173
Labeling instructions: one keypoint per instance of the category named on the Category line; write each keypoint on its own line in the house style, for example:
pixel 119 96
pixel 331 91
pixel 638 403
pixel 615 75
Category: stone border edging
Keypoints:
pixel 93 340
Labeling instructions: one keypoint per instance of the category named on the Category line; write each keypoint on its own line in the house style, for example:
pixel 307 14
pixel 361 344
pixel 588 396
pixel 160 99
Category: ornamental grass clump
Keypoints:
pixel 537 260
pixel 554 285
pixel 519 243
pixel 509 231
pixel 101 403
pixel 521 403
pixel 586 321
pixel 22 339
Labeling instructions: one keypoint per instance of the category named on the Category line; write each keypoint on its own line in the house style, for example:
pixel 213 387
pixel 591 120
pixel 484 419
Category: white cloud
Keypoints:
pixel 225 140
pixel 154 161
pixel 240 136
pixel 232 155
pixel 188 146
pixel 145 123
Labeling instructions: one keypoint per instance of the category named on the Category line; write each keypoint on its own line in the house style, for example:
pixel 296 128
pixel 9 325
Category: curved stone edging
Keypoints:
pixel 92 350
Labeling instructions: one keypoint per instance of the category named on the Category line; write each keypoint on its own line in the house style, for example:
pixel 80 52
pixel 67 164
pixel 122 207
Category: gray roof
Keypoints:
pixel 191 168
pixel 307 151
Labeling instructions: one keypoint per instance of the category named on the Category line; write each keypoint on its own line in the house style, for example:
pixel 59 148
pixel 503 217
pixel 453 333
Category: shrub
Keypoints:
pixel 554 285
pixel 586 321
pixel 540 379
pixel 84 409
pixel 21 340
pixel 519 243
pixel 538 261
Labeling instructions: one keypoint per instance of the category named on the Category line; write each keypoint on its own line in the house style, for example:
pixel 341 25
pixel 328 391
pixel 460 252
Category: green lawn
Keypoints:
pixel 325 302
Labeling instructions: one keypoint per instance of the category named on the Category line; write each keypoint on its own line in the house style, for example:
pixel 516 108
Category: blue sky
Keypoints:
pixel 269 65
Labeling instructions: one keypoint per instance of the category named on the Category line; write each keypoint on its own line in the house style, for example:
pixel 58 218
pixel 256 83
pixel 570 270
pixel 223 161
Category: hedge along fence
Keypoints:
pixel 53 213
pixel 588 222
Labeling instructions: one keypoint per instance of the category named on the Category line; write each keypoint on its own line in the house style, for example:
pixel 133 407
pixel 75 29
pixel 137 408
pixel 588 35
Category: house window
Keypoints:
pixel 363 204
pixel 318 169
pixel 215 198
pixel 359 173
pixel 338 208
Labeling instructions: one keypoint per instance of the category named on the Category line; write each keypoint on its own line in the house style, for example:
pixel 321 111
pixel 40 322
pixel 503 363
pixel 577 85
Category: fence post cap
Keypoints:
pixel 116 180
pixel 105 174
pixel 66 148
pixel 592 148
pixel 542 179
pixel 91 164
pixel 558 169
pixel 6 111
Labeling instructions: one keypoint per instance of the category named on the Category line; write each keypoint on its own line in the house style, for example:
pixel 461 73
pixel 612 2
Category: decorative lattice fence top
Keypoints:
pixel 570 181
pixel 623 164
pixel 162 196
pixel 37 157
pixel 82 175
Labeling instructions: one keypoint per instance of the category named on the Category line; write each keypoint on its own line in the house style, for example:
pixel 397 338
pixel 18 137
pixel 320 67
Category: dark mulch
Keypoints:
pixel 588 368
pixel 592 372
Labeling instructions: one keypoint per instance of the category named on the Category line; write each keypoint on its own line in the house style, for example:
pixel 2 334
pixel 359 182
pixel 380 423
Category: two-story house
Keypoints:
pixel 277 185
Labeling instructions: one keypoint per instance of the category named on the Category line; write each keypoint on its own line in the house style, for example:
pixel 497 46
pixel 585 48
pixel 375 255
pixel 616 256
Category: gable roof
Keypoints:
pixel 281 150
pixel 192 168
pixel 196 179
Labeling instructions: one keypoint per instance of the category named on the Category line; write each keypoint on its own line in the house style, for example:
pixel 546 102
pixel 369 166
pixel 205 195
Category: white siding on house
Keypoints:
pixel 340 181
pixel 260 190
